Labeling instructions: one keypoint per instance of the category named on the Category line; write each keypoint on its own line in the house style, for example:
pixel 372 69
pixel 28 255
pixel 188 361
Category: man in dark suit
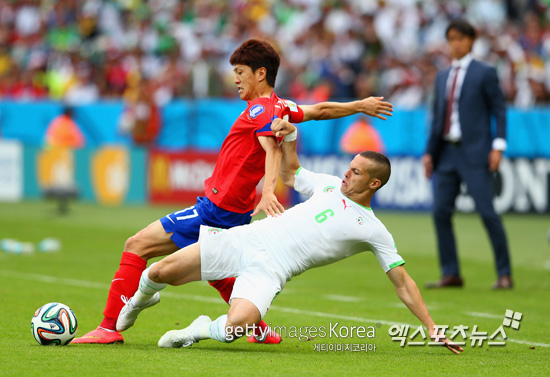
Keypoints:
pixel 461 148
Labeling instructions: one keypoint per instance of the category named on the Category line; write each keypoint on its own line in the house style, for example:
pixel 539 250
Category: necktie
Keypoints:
pixel 450 100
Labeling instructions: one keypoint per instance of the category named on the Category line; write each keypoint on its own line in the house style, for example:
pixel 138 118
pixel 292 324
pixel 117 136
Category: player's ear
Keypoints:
pixel 375 184
pixel 261 74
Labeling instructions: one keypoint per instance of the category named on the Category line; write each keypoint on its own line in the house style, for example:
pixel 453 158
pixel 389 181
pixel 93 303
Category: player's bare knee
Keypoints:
pixel 130 244
pixel 234 322
pixel 137 244
pixel 240 322
pixel 243 312
pixel 156 273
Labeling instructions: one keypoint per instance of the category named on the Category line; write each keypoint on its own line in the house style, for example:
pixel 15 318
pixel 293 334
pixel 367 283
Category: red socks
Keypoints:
pixel 260 328
pixel 225 287
pixel 125 283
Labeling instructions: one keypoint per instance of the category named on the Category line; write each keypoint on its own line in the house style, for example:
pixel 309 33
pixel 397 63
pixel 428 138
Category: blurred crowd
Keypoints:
pixel 80 51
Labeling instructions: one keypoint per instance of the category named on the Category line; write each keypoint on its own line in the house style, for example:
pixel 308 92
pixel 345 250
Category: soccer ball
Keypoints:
pixel 54 324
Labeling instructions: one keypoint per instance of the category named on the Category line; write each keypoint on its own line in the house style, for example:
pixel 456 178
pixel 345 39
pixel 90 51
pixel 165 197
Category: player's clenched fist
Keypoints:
pixel 281 128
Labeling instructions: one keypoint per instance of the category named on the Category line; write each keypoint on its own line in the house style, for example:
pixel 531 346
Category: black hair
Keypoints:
pixel 382 171
pixel 463 27
pixel 257 54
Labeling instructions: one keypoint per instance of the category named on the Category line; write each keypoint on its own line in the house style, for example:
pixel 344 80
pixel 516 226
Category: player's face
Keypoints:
pixel 357 179
pixel 459 44
pixel 246 82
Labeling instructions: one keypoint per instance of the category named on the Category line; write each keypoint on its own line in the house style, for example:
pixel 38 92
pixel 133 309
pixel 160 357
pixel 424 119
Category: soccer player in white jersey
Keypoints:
pixel 335 223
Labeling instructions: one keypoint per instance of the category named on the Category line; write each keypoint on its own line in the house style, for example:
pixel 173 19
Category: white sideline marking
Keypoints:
pixel 400 305
pixel 484 315
pixel 338 316
pixel 212 300
pixel 89 284
pixel 342 298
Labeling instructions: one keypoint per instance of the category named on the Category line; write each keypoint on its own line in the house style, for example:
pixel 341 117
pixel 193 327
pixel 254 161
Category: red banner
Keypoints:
pixel 178 177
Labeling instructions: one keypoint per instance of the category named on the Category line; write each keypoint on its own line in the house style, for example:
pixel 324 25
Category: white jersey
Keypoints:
pixel 326 228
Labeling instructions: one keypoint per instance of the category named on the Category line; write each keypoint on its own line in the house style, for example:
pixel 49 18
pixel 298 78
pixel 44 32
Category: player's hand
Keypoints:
pixel 454 348
pixel 494 160
pixel 270 205
pixel 428 165
pixel 281 127
pixel 375 107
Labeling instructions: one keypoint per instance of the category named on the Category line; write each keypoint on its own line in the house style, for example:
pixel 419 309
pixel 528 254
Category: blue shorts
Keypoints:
pixel 185 224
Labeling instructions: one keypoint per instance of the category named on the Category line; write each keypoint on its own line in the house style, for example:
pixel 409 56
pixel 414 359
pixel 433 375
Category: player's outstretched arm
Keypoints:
pixel 408 292
pixel 372 106
pixel 269 203
pixel 289 162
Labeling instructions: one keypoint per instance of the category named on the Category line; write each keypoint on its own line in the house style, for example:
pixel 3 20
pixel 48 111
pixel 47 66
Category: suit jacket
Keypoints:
pixel 479 101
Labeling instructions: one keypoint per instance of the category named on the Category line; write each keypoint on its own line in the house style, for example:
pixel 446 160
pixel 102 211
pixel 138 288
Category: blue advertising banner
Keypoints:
pixel 522 185
pixel 111 170
pixel 110 175
pixel 203 125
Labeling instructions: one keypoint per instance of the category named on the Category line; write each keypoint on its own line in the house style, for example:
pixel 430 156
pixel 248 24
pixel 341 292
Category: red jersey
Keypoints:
pixel 241 163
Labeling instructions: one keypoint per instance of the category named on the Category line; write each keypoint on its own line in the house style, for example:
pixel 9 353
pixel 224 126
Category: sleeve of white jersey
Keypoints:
pixel 307 182
pixel 385 250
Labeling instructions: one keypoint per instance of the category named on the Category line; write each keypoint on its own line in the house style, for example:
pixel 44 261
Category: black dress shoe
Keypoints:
pixel 446 282
pixel 504 282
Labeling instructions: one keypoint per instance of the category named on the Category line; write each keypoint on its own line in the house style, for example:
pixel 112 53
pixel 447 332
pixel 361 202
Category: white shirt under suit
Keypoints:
pixel 264 255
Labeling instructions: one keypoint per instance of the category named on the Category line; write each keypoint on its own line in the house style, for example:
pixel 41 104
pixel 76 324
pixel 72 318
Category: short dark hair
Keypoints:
pixel 463 27
pixel 257 54
pixel 382 171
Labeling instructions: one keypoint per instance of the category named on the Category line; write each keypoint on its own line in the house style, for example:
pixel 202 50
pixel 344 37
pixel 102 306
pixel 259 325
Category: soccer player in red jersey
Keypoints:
pixel 249 152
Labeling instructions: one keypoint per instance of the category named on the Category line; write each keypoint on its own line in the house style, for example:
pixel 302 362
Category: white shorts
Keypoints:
pixel 235 252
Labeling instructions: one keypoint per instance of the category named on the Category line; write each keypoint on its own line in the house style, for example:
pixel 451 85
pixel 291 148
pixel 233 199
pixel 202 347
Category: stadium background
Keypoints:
pixel 104 57
pixel 108 59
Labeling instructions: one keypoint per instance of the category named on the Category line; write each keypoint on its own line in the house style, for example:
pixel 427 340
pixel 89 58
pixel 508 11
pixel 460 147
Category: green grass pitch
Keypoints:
pixel 354 292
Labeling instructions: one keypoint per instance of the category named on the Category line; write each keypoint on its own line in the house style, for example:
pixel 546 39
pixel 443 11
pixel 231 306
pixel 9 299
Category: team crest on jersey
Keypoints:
pixel 255 111
pixel 214 230
pixel 329 189
pixel 360 220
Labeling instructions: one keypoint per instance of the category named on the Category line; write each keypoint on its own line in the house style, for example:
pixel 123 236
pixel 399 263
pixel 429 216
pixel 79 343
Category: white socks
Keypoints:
pixel 146 289
pixel 216 330
pixel 210 330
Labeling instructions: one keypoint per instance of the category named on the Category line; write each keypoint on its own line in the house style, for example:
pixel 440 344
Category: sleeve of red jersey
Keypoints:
pixel 263 124
pixel 295 112
pixel 295 115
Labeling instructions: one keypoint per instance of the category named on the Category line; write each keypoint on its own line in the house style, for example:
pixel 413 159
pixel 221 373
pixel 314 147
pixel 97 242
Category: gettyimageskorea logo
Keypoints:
pixel 497 338
pixel 360 335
